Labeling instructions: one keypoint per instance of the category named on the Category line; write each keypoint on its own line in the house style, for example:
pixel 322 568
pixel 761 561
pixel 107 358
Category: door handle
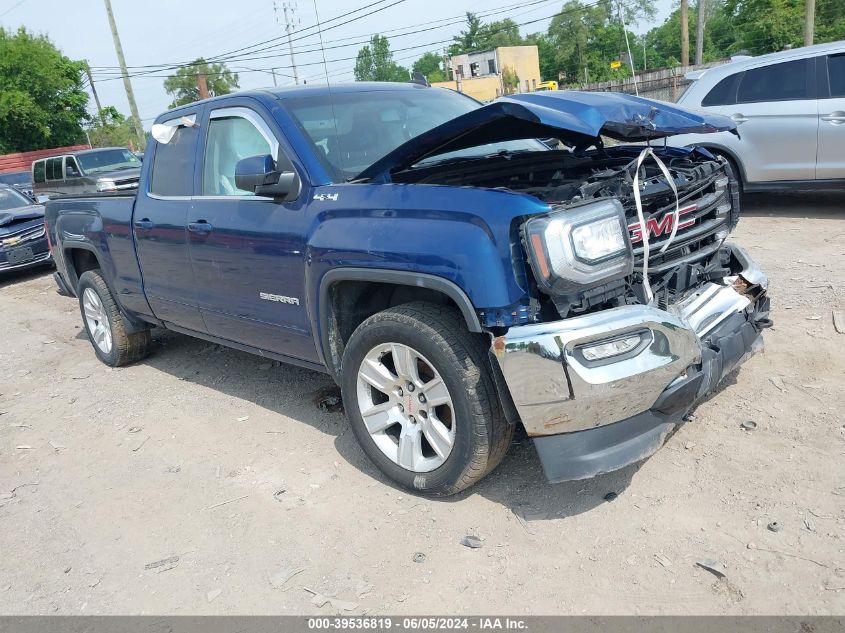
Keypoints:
pixel 835 118
pixel 144 224
pixel 200 226
pixel 738 118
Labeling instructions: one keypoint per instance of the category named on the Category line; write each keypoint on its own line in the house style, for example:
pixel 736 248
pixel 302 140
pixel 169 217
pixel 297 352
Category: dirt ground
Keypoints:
pixel 225 461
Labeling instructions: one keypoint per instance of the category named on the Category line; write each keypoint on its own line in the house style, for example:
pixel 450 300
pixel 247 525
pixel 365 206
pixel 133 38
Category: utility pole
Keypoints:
pixel 273 72
pixel 699 33
pixel 130 96
pixel 94 92
pixel 684 32
pixel 289 10
pixel 809 22
pixel 202 85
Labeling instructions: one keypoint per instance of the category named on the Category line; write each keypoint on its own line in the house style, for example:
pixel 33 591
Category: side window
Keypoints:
pixel 71 168
pixel 836 75
pixel 39 171
pixel 172 171
pixel 723 93
pixel 776 82
pixel 54 169
pixel 230 139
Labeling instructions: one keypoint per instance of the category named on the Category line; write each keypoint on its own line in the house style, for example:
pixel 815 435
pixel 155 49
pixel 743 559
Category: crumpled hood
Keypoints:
pixel 576 118
pixel 29 212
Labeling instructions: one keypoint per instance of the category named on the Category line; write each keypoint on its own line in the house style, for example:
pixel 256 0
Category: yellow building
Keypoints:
pixel 486 75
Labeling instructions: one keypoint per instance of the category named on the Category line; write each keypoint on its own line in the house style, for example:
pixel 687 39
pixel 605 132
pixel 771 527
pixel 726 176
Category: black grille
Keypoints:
pixel 26 229
pixel 712 215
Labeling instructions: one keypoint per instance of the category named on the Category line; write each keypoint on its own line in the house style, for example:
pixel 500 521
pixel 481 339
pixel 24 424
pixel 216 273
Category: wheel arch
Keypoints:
pixel 79 258
pixel 716 148
pixel 384 288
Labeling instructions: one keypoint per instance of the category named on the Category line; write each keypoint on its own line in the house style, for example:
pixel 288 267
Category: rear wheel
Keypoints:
pixel 105 324
pixel 421 399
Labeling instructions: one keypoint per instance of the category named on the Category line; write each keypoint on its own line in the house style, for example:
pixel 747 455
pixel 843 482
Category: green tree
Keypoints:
pixel 469 39
pixel 182 85
pixel 481 37
pixel 375 62
pixel 767 25
pixel 112 129
pixel 500 33
pixel 510 79
pixel 751 26
pixel 42 102
pixel 546 52
pixel 429 65
pixel 584 39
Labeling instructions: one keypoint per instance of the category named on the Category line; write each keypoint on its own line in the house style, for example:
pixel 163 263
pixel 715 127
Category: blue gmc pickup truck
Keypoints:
pixel 453 274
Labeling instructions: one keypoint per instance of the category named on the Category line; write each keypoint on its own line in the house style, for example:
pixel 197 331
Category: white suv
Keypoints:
pixel 790 107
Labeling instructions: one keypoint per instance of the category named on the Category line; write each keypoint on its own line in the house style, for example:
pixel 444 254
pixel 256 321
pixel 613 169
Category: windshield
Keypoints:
pixel 355 129
pixel 11 199
pixel 108 160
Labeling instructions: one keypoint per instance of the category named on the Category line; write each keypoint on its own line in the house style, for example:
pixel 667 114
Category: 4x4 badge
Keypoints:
pixel 326 196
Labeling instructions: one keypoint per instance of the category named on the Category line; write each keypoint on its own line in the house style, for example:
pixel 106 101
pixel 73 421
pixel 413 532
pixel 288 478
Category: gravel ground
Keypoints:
pixel 222 465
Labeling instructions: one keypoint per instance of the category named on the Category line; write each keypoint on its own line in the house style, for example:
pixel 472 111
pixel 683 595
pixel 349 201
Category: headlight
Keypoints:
pixel 581 247
pixel 106 184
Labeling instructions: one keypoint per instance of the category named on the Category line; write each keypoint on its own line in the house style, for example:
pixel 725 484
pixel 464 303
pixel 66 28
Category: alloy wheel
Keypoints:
pixel 97 321
pixel 406 407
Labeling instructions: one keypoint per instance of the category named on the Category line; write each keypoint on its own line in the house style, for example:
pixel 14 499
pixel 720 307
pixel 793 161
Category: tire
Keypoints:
pixel 104 322
pixel 732 168
pixel 435 344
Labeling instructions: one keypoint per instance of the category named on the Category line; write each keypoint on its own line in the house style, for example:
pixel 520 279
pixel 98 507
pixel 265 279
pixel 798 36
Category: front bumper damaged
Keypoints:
pixel 588 417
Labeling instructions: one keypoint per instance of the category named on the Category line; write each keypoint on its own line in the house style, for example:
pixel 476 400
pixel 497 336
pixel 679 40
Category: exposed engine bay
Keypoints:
pixel 707 210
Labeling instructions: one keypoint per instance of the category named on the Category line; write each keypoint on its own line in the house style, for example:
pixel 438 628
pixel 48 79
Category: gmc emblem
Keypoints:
pixel 663 227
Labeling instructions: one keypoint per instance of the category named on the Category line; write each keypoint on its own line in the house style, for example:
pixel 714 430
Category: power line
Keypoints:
pixel 230 55
pixel 151 73
pixel 393 33
pixel 12 8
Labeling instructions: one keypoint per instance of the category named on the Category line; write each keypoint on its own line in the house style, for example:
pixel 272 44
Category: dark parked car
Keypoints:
pixel 20 180
pixel 86 171
pixel 23 242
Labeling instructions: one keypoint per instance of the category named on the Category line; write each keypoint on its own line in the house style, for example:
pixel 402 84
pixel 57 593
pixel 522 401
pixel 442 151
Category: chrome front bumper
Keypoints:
pixel 557 390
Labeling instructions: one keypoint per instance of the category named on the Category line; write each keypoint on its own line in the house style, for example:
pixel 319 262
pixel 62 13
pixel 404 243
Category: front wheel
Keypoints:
pixel 421 399
pixel 105 324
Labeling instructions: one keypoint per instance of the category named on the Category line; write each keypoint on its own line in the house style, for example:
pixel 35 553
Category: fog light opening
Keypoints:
pixel 610 349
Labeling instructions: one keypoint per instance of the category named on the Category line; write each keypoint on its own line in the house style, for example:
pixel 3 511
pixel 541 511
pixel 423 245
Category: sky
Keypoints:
pixel 174 32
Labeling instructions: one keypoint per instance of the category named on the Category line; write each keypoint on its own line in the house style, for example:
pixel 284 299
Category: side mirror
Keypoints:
pixel 260 175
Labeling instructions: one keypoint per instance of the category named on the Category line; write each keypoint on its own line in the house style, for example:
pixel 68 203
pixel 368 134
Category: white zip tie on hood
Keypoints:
pixel 648 151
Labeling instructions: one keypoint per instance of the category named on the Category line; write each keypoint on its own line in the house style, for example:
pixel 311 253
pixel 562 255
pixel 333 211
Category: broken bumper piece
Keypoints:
pixel 601 391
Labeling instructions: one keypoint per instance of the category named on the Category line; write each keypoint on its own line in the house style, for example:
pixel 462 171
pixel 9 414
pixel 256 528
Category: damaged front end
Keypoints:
pixel 636 305
pixel 643 307
pixel 602 390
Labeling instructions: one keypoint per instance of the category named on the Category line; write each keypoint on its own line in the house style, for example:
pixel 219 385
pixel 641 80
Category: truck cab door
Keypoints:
pixel 159 222
pixel 248 251
pixel 73 176
pixel 831 158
